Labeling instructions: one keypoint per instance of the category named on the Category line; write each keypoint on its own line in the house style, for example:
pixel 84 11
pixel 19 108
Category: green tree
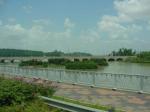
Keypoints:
pixel 124 52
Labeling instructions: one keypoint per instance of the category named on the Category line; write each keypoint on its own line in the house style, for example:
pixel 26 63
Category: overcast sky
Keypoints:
pixel 94 26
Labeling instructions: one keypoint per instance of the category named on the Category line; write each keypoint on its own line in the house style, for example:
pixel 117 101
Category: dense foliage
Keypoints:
pixel 123 52
pixel 78 54
pixel 55 53
pixel 17 96
pixel 32 106
pixel 26 53
pixel 60 61
pixel 142 57
pixel 60 53
pixel 34 63
pixel 17 92
pixel 101 62
pixel 81 65
pixel 19 53
pixel 77 64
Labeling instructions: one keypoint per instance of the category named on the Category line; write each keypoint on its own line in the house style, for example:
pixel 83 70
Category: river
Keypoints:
pixel 126 68
pixel 123 68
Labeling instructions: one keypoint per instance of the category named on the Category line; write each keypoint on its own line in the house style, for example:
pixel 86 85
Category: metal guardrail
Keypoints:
pixel 68 106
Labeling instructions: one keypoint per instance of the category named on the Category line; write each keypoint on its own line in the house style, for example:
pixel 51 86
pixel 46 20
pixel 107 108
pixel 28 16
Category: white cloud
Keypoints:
pixel 27 8
pixel 133 9
pixel 11 20
pixel 114 29
pixel 35 37
pixel 15 28
pixel 38 38
pixel 126 28
pixel 109 23
pixel 124 24
pixel 42 22
pixel 89 36
pixel 148 26
pixel 68 24
pixel 110 32
pixel 12 36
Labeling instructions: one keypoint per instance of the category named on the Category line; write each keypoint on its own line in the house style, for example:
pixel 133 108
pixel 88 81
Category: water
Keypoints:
pixel 120 68
pixel 127 68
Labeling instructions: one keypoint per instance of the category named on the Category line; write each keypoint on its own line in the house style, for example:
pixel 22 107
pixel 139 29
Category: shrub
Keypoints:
pixel 85 64
pixel 60 61
pixel 81 65
pixel 143 57
pixel 2 61
pixel 34 63
pixel 101 62
pixel 12 91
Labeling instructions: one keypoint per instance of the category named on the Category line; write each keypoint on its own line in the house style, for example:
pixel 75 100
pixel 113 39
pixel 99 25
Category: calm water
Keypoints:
pixel 127 68
pixel 123 68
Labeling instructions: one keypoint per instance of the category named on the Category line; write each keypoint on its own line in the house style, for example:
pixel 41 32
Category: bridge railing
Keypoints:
pixel 138 83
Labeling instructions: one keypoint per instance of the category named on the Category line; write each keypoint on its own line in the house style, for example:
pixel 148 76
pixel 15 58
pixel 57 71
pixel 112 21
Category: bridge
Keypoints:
pixel 71 58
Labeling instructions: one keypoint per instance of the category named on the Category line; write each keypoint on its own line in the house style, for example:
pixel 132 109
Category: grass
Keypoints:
pixel 32 106
pixel 96 106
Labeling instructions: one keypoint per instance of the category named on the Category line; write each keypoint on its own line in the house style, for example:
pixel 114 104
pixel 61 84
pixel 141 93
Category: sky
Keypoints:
pixel 93 26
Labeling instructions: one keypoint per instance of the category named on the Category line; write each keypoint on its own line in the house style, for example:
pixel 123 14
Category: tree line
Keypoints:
pixel 27 53
pixel 124 52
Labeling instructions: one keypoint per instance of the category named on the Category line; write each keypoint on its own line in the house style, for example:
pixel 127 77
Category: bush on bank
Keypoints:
pixel 17 96
pixel 81 65
pixel 101 62
pixel 34 63
pixel 17 92
pixel 143 57
pixel 84 64
pixel 60 61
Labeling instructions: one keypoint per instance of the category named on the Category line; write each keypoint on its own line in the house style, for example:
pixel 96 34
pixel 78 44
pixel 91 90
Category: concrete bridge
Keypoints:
pixel 71 58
